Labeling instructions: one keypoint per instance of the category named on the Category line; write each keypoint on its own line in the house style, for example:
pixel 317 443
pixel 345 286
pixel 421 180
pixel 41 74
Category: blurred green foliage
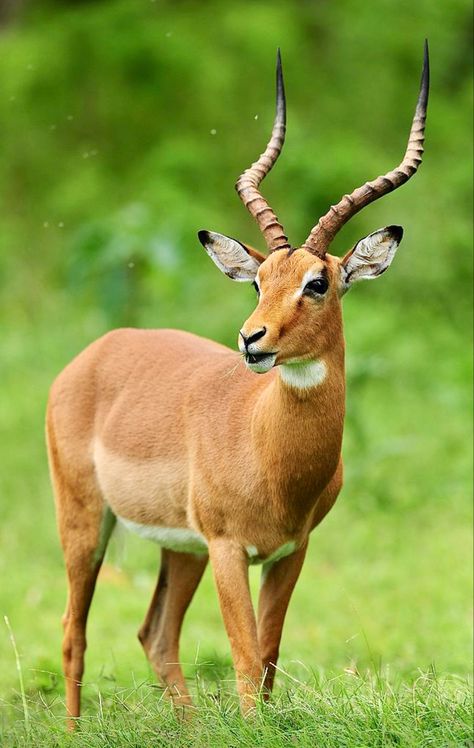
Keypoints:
pixel 123 128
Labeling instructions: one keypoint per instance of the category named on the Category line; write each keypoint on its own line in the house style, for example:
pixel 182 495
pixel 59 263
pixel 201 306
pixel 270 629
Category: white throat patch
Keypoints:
pixel 303 374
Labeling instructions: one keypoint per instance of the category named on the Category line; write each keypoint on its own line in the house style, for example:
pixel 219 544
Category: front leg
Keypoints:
pixel 278 581
pixel 230 566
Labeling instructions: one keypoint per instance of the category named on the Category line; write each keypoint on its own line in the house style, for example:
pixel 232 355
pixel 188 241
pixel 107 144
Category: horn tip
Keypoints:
pixel 426 56
pixel 425 77
pixel 280 91
pixel 279 68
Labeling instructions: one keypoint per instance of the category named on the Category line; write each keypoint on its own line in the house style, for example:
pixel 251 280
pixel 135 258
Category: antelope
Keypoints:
pixel 164 432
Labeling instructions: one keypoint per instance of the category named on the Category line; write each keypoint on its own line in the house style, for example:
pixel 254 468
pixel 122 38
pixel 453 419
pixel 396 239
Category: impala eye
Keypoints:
pixel 317 286
pixel 256 288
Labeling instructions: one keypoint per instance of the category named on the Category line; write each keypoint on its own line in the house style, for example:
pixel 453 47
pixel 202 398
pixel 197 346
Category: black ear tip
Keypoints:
pixel 396 232
pixel 203 237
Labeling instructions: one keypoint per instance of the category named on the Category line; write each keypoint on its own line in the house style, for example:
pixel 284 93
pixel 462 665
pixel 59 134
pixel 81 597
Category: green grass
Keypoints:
pixel 348 710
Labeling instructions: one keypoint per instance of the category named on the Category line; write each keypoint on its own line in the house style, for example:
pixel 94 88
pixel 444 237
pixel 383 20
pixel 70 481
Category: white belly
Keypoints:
pixel 179 539
pixel 184 540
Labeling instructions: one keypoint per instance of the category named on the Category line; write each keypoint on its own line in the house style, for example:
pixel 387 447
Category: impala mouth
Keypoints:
pixel 260 362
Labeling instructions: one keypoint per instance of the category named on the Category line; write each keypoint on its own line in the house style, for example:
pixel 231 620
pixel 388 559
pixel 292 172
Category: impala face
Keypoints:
pixel 298 303
pixel 299 294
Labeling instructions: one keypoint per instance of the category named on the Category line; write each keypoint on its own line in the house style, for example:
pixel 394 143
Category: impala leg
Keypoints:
pixel 230 567
pixel 82 571
pixel 180 574
pixel 278 582
pixel 84 537
pixel 85 525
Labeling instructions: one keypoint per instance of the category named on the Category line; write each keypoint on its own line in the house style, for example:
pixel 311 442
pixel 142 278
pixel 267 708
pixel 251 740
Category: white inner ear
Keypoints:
pixel 231 257
pixel 370 257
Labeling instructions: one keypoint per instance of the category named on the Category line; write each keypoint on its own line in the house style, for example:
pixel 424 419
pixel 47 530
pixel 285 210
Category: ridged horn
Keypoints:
pixel 328 226
pixel 248 182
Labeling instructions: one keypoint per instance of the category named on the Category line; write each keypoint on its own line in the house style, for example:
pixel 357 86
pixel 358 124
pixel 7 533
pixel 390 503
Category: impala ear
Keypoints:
pixel 236 260
pixel 371 256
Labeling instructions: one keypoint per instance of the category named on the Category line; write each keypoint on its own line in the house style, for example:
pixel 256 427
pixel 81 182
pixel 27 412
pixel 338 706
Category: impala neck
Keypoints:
pixel 298 423
pixel 307 382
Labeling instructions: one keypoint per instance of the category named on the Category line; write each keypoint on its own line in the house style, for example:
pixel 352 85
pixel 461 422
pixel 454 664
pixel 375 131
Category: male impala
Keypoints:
pixel 165 432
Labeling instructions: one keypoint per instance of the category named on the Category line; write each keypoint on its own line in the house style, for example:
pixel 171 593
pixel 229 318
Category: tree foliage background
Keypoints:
pixel 124 126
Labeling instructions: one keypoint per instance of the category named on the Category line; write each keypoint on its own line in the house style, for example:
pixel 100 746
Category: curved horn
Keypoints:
pixel 328 226
pixel 248 182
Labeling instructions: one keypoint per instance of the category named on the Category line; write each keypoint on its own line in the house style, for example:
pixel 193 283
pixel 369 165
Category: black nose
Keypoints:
pixel 253 337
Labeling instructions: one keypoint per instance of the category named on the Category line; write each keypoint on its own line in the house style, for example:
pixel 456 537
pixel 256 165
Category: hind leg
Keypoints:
pixel 84 547
pixel 82 570
pixel 180 574
pixel 85 525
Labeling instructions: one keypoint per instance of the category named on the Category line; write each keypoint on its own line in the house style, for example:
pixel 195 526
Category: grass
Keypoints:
pixel 348 710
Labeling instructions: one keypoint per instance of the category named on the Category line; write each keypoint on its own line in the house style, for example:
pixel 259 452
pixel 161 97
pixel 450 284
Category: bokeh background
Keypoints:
pixel 123 126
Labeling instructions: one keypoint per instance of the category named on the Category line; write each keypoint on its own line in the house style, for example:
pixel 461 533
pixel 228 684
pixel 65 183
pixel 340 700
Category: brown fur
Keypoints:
pixel 170 429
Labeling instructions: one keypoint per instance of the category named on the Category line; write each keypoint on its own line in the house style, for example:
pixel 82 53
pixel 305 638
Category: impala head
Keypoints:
pixel 298 316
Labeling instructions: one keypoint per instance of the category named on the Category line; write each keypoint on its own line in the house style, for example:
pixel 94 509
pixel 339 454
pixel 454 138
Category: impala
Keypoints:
pixel 164 432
